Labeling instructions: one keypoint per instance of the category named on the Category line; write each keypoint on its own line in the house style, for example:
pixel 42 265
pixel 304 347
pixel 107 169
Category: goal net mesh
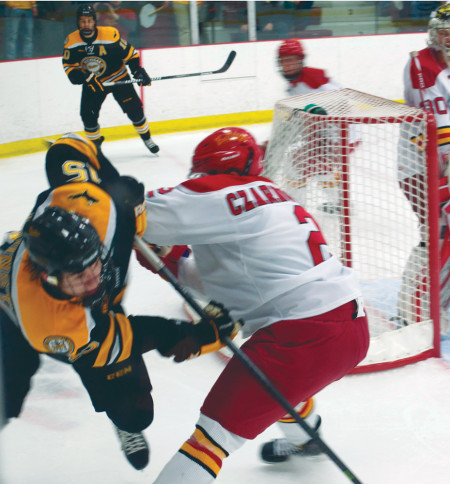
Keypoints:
pixel 349 157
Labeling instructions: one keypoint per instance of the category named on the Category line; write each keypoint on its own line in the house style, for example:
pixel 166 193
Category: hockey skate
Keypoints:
pixel 279 450
pixel 135 448
pixel 151 145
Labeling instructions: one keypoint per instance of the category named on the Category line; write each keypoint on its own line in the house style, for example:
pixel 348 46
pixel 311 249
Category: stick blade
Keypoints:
pixel 228 62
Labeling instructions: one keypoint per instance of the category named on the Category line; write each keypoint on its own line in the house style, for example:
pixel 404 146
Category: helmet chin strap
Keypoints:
pixel 248 164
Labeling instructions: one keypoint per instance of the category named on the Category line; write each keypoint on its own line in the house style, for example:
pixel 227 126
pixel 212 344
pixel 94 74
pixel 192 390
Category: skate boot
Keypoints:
pixel 135 448
pixel 279 450
pixel 151 145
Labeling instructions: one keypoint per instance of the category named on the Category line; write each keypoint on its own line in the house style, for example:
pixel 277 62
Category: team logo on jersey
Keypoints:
pixel 61 345
pixel 93 64
pixel 85 194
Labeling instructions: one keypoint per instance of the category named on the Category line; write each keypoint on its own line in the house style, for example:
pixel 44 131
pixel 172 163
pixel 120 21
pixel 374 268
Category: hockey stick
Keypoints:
pixel 224 68
pixel 161 269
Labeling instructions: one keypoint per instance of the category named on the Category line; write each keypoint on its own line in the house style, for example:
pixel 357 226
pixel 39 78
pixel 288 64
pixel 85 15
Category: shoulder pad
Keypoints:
pixel 107 34
pixel 73 39
pixel 430 66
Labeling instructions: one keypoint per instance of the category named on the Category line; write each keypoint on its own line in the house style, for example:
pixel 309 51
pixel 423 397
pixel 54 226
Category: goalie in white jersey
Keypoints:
pixel 427 85
pixel 260 253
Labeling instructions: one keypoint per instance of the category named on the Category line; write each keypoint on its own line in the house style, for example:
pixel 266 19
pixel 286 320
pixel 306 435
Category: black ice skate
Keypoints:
pixel 279 450
pixel 135 448
pixel 151 145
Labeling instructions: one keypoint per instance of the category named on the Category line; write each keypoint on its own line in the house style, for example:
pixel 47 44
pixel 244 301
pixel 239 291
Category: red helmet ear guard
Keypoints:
pixel 228 150
pixel 291 47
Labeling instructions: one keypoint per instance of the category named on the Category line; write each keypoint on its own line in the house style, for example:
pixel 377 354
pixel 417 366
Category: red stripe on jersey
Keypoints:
pixel 212 183
pixel 312 77
pixel 431 68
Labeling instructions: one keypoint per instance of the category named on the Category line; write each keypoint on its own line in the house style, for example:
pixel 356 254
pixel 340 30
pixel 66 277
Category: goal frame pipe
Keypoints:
pixel 432 174
pixel 346 244
pixel 433 226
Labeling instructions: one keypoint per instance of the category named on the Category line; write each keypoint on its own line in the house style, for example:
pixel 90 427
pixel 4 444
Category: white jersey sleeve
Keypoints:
pixel 434 97
pixel 256 250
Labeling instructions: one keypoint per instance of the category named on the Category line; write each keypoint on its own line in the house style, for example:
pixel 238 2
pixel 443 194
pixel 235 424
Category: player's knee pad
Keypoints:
pixel 290 427
pixel 131 418
pixel 133 110
pixel 89 117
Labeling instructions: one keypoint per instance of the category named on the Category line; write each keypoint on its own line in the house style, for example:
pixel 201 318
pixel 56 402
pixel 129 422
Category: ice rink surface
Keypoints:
pixel 391 427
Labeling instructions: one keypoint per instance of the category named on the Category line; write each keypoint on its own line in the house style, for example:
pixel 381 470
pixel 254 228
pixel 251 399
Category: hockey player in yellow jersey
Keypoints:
pixel 94 55
pixel 62 280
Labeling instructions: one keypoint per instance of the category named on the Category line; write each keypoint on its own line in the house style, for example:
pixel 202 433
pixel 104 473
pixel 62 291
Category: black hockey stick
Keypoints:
pixel 224 68
pixel 160 268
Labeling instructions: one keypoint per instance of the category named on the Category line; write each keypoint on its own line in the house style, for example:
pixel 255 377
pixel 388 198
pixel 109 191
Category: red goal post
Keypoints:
pixel 350 168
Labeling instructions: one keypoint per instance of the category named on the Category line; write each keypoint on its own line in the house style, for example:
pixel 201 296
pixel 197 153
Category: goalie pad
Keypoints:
pixel 412 303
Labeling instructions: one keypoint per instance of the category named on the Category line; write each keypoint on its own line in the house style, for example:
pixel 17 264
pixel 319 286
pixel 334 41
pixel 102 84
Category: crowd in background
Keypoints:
pixel 38 29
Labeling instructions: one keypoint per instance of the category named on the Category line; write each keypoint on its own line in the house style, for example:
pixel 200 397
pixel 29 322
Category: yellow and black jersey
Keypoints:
pixel 74 158
pixel 106 55
pixel 64 328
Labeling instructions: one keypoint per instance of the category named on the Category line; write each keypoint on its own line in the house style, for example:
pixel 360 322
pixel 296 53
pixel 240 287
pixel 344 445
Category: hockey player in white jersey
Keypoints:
pixel 261 254
pixel 427 85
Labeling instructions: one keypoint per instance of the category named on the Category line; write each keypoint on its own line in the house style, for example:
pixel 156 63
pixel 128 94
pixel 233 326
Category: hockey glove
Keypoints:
pixel 170 259
pixel 93 82
pixel 206 336
pixel 140 75
pixel 127 192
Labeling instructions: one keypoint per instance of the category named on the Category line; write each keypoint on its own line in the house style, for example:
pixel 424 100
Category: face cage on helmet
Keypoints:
pixel 433 40
pixel 105 286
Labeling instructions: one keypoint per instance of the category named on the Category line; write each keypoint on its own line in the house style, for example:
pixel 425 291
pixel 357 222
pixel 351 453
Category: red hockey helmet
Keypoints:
pixel 291 47
pixel 228 150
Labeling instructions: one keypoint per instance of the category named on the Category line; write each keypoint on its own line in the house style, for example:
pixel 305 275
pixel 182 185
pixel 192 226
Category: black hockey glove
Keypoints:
pixel 94 83
pixel 140 75
pixel 127 192
pixel 206 336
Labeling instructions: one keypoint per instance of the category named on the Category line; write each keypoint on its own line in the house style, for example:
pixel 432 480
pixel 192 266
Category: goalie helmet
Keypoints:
pixel 439 31
pixel 228 150
pixel 60 241
pixel 293 49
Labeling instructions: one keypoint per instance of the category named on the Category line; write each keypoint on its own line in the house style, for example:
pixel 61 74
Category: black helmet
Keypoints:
pixel 86 10
pixel 61 241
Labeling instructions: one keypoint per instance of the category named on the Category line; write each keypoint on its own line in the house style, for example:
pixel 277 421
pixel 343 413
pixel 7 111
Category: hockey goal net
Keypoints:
pixel 348 157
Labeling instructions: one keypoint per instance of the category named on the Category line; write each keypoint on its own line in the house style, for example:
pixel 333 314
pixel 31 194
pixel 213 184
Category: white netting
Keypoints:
pixel 350 169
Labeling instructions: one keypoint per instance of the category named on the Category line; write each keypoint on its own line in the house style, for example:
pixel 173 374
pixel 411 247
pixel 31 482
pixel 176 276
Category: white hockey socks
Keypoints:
pixel 292 430
pixel 199 459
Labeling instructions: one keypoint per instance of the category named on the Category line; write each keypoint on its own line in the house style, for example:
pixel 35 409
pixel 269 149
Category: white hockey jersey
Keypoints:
pixel 256 250
pixel 436 96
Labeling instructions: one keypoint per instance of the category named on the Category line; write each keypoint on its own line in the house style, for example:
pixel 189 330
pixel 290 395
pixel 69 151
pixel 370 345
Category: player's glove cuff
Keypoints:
pixel 93 83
